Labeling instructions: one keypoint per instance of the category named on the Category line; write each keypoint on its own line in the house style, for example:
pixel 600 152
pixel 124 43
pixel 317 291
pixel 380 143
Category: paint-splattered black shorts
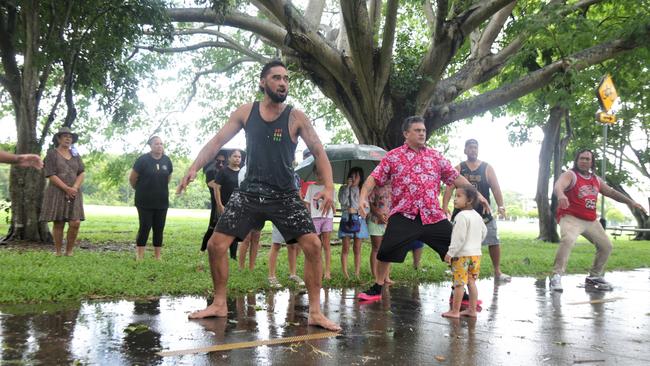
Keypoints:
pixel 247 211
pixel 402 231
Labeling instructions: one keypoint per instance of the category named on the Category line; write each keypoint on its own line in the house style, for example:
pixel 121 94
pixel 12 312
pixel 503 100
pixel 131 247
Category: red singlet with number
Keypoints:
pixel 582 198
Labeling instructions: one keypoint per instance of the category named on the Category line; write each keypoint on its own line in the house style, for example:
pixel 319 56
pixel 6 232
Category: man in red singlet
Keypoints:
pixel 577 192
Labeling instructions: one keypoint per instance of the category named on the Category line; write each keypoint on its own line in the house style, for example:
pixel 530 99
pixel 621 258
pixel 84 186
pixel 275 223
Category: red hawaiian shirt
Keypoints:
pixel 415 178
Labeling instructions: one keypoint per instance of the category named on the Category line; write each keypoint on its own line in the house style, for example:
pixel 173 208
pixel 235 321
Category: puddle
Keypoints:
pixel 522 322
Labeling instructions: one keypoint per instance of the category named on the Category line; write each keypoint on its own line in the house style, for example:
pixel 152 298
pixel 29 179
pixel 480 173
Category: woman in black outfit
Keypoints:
pixel 210 172
pixel 227 182
pixel 150 178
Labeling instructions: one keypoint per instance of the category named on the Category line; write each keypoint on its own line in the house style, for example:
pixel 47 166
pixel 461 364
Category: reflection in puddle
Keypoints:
pixel 521 323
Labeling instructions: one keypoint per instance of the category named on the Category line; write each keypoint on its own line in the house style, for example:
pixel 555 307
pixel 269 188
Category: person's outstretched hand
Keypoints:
pixel 187 179
pixel 326 196
pixel 29 160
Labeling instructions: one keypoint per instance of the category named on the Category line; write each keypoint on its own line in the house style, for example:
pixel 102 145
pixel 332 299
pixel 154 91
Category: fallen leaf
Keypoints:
pixel 318 351
pixel 136 328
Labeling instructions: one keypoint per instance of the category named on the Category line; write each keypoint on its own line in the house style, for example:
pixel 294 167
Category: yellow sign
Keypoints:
pixel 606 118
pixel 606 93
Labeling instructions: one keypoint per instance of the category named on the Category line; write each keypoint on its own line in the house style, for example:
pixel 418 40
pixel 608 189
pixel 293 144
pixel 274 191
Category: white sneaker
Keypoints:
pixel 555 283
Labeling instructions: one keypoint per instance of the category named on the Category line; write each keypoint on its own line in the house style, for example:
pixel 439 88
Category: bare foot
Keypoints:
pixel 58 254
pixel 388 281
pixel 345 274
pixel 210 312
pixel 319 320
pixel 327 276
pixel 68 254
pixel 451 314
pixel 469 313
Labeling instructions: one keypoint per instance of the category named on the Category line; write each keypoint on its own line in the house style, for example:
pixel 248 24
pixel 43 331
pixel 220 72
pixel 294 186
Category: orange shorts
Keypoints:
pixel 464 267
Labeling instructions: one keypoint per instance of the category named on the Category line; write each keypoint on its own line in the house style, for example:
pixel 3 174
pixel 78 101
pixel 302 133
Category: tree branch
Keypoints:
pixel 8 52
pixel 477 14
pixel 446 114
pixel 264 28
pixel 447 40
pixel 484 66
pixel 430 15
pixel 50 117
pixel 486 38
pixel 374 14
pixel 265 12
pixel 235 45
pixel 197 46
pixel 314 13
pixel 386 52
pixel 360 38
pixel 639 156
pixel 215 70
pixel 442 7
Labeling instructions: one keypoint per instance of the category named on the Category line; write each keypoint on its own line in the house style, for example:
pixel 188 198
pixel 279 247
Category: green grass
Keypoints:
pixel 30 275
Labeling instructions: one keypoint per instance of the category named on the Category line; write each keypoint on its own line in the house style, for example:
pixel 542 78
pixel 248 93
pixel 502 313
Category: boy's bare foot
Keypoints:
pixel 319 320
pixel 451 314
pixel 469 313
pixel 345 274
pixel 209 312
pixel 327 276
pixel 58 254
pixel 68 254
pixel 388 281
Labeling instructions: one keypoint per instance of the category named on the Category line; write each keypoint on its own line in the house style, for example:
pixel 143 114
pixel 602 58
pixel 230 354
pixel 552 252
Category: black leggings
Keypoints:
pixel 214 217
pixel 151 219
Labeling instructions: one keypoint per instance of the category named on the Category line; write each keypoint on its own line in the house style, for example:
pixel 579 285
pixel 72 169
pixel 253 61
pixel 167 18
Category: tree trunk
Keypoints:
pixel 549 150
pixel 26 185
pixel 26 190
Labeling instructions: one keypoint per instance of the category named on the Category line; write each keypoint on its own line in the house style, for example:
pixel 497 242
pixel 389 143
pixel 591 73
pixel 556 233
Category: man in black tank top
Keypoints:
pixel 483 177
pixel 267 192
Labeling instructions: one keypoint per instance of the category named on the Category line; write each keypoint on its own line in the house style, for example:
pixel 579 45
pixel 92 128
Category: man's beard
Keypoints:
pixel 275 97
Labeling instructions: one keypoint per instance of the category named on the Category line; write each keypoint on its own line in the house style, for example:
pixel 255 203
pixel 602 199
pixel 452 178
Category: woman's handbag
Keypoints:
pixel 352 225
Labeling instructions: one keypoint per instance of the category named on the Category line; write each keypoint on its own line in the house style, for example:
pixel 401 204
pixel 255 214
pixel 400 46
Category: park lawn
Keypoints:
pixel 108 270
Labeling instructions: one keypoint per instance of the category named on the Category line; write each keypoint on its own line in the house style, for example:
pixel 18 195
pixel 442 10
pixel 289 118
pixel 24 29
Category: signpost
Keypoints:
pixel 606 93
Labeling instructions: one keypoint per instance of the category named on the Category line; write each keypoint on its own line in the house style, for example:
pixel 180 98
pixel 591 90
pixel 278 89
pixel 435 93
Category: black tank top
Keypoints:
pixel 269 153
pixel 478 178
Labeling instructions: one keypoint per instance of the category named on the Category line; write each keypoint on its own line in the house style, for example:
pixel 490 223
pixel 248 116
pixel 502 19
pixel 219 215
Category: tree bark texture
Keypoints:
pixel 546 206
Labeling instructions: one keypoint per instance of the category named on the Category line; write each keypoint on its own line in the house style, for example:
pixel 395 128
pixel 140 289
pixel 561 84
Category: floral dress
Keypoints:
pixel 56 206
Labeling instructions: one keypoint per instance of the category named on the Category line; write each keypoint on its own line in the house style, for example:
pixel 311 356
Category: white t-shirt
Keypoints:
pixel 314 205
pixel 469 231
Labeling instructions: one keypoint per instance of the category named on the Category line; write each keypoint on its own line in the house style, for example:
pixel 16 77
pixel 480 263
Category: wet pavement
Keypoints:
pixel 522 323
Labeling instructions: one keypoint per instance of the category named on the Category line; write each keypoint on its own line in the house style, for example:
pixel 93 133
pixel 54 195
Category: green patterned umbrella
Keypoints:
pixel 342 158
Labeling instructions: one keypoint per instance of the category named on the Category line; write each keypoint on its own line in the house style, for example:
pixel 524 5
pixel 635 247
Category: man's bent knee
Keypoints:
pixel 310 243
pixel 220 242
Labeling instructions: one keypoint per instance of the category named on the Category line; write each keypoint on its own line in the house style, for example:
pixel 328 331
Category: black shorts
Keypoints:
pixel 246 211
pixel 402 231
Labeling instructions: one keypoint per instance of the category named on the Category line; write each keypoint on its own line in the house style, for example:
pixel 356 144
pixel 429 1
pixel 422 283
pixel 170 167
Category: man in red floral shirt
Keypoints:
pixel 415 173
